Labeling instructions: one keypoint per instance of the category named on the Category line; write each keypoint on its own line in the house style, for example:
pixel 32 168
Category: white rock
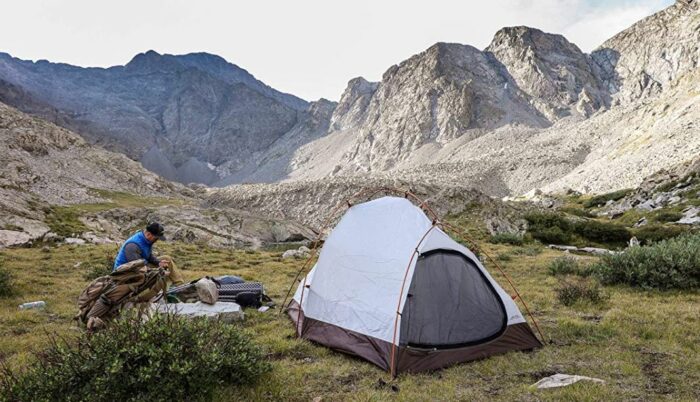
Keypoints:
pixel 224 311
pixel 562 380
pixel 74 240
pixel 11 238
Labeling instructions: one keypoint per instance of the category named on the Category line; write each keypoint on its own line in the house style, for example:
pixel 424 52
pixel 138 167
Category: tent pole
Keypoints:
pixel 398 307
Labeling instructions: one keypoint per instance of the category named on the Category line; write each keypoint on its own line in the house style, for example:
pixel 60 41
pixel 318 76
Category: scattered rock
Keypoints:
pixel 641 222
pixel 690 216
pixel 634 242
pixel 589 250
pixel 647 205
pixel 74 240
pixel 562 380
pixel 11 238
pixel 301 252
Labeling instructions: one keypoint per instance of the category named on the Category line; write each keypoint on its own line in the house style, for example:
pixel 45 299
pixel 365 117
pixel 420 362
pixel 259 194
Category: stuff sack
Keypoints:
pixel 207 291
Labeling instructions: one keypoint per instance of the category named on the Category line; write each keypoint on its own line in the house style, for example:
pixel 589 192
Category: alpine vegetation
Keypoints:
pixel 164 358
pixel 668 264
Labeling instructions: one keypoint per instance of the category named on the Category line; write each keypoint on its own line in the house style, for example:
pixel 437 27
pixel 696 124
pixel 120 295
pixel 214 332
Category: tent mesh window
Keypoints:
pixel 450 304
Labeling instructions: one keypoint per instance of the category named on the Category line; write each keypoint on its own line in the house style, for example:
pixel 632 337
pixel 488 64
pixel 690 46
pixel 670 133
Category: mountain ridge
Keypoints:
pixel 531 110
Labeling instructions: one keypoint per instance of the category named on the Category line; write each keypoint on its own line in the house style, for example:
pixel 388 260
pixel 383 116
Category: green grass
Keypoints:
pixel 640 342
pixel 600 200
pixel 65 220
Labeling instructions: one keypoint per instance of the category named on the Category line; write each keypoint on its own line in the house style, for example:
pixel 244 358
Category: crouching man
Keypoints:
pixel 139 246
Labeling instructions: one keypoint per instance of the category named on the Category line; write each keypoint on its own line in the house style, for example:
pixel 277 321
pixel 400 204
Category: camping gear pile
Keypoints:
pixel 105 297
pixel 391 287
pixel 227 288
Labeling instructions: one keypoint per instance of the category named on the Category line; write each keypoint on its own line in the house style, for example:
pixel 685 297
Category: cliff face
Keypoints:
pixel 558 78
pixel 643 60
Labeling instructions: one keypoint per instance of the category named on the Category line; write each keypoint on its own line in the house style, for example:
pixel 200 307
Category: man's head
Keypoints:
pixel 154 231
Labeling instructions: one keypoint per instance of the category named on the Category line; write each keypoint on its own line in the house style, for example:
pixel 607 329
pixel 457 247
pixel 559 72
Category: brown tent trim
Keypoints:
pixel 515 337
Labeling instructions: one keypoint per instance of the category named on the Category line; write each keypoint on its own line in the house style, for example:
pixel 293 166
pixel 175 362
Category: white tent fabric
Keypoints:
pixel 357 279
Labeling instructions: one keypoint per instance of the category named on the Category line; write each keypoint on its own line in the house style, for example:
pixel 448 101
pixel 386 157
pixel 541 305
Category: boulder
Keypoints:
pixel 12 238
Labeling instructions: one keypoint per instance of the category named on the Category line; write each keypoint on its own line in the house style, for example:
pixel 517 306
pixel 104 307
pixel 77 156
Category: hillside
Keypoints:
pixel 54 185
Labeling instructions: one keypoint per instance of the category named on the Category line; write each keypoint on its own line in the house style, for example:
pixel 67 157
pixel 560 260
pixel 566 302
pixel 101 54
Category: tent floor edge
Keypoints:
pixel 516 337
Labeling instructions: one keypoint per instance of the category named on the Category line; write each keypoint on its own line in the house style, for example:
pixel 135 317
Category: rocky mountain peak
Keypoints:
pixel 558 77
pixel 353 103
pixel 150 61
pixel 643 60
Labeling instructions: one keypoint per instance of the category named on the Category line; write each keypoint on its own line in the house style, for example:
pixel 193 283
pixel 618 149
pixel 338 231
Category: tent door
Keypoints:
pixel 450 304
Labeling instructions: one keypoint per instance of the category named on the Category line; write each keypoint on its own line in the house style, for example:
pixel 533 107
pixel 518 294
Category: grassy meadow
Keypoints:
pixel 644 344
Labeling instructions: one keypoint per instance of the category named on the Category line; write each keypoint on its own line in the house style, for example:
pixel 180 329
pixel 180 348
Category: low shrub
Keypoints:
pixel 165 358
pixel 565 266
pixel 504 257
pixel 668 264
pixel 602 232
pixel 648 234
pixel 602 199
pixel 552 235
pixel 508 238
pixel 5 282
pixel 529 251
pixel 668 216
pixel 556 229
pixel 577 211
pixel 572 290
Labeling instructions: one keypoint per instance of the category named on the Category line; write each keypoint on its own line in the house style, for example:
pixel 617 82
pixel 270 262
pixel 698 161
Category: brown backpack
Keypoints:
pixel 104 297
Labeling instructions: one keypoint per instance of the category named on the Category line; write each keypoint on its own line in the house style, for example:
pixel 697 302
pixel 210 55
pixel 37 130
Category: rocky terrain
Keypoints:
pixel 528 115
pixel 55 186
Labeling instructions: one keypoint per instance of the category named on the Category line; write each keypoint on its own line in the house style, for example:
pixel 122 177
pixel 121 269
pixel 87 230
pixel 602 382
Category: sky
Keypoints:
pixel 310 48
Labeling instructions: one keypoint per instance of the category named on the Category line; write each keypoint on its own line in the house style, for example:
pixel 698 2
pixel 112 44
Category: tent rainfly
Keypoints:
pixel 393 288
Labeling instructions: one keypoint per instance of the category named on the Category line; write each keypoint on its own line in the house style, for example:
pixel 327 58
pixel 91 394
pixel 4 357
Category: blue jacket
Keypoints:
pixel 144 245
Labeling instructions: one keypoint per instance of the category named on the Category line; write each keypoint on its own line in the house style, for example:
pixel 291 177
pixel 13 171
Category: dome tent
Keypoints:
pixel 390 286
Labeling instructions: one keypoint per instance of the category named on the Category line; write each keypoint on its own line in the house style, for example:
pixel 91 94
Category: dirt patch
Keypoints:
pixel 653 362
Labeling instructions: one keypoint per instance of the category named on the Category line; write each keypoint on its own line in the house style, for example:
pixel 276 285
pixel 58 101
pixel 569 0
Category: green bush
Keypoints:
pixel 547 220
pixel 668 264
pixel 165 358
pixel 507 238
pixel 654 233
pixel 668 216
pixel 5 282
pixel 602 232
pixel 577 211
pixel 576 289
pixel 549 227
pixel 600 200
pixel 556 229
pixel 565 266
